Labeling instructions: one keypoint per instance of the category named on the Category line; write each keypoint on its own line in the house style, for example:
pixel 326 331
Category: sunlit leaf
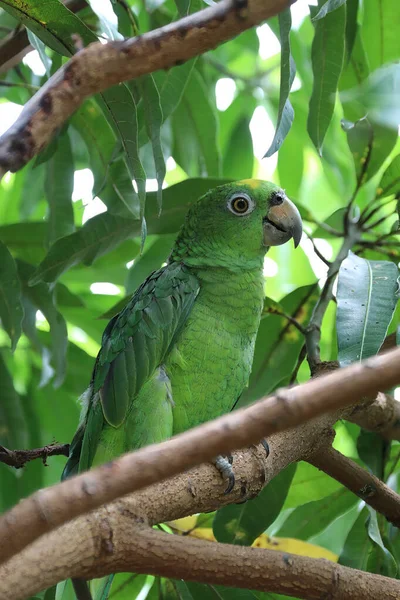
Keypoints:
pixel 377 26
pixel 11 312
pixel 366 300
pixel 288 72
pixel 327 60
pixel 390 182
pixel 154 120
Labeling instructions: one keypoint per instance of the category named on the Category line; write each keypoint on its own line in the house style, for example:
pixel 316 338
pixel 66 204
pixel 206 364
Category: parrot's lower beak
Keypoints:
pixel 282 222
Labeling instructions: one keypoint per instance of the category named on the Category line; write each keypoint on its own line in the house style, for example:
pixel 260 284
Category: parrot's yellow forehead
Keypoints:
pixel 254 184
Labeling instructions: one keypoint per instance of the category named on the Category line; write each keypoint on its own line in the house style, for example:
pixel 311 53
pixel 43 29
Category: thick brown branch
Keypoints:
pixel 51 507
pixel 382 415
pixel 362 483
pixel 19 458
pixel 99 66
pixel 117 538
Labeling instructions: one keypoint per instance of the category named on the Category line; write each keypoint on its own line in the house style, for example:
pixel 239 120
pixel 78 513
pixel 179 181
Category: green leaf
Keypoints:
pixel 327 55
pixel 11 312
pixel 370 145
pixel 351 25
pixel 328 7
pixel 278 345
pixel 381 560
pixel 41 296
pixel 41 49
pixel 151 259
pixel 242 523
pixel 358 545
pixel 309 484
pixel 366 300
pixel 239 155
pixel 59 186
pixel 205 122
pixel 307 520
pixel 373 450
pixel 288 72
pixel 205 591
pixel 154 120
pixel 105 231
pixel 119 107
pixel 390 182
pixel 13 428
pixel 377 25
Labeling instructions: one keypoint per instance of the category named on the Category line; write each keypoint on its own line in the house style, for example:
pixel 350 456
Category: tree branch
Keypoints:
pixel 99 66
pixel 49 508
pixel 19 458
pixel 362 483
pixel 117 538
pixel 382 415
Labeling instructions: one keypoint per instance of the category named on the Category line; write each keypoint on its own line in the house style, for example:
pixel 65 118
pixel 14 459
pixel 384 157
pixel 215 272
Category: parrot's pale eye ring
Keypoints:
pixel 241 205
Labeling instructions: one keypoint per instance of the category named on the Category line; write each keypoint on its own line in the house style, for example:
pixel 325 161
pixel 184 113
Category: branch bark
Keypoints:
pixel 49 508
pixel 362 483
pixel 118 538
pixel 19 458
pixel 99 66
pixel 382 415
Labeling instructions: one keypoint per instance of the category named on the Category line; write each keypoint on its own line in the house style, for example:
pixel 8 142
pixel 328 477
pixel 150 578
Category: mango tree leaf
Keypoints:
pixel 366 300
pixel 327 55
pixel 150 260
pixel 327 8
pixel 288 72
pixel 154 119
pixel 351 25
pixel 119 106
pixel 59 185
pixel 390 182
pixel 242 523
pixel 205 591
pixel 377 25
pixel 373 450
pixel 11 312
pixel 370 145
pixel 309 519
pixel 239 156
pixel 380 560
pixel 41 296
pixel 358 545
pixel 278 345
pixel 29 329
pixel 204 121
pixel 13 433
pixel 104 232
pixel 41 49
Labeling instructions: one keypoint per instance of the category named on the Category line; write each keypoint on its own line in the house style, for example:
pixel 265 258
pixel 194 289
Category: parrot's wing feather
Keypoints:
pixel 137 340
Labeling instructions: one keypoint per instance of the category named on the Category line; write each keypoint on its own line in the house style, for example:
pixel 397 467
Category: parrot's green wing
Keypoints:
pixel 134 344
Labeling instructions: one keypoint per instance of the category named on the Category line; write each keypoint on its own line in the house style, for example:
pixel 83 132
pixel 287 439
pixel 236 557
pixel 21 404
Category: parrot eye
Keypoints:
pixel 277 198
pixel 241 205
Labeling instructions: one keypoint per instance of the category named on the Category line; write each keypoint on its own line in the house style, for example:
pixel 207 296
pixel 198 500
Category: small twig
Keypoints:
pixel 291 320
pixel 369 212
pixel 19 458
pixel 362 483
pixel 27 86
pixel 300 360
pixel 317 252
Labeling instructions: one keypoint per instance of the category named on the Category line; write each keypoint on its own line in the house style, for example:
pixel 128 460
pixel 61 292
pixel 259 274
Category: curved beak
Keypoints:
pixel 281 223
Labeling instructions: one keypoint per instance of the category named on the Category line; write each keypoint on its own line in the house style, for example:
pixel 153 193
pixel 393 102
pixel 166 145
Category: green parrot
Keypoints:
pixel 180 353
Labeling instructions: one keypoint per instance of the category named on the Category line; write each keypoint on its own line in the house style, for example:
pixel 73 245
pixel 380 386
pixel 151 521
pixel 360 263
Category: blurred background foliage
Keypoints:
pixel 72 225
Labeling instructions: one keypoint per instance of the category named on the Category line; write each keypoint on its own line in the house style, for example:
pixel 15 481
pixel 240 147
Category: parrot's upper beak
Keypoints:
pixel 281 223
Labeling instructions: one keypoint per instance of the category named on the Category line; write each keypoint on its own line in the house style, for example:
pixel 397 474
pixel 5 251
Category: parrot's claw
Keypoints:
pixel 265 445
pixel 224 466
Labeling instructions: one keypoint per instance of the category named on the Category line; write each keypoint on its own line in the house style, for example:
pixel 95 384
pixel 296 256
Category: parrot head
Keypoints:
pixel 234 224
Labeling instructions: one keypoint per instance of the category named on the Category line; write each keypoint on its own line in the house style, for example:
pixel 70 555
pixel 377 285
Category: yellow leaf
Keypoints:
pixel 294 547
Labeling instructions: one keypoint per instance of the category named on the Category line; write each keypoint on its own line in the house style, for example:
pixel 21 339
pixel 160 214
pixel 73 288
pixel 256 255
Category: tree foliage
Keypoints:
pixel 152 146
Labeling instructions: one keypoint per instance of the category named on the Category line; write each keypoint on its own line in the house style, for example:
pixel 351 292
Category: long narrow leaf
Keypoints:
pixel 59 186
pixel 327 56
pixel 11 312
pixel 288 72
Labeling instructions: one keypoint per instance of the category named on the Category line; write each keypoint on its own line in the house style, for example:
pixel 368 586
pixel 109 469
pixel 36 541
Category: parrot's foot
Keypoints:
pixel 224 466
